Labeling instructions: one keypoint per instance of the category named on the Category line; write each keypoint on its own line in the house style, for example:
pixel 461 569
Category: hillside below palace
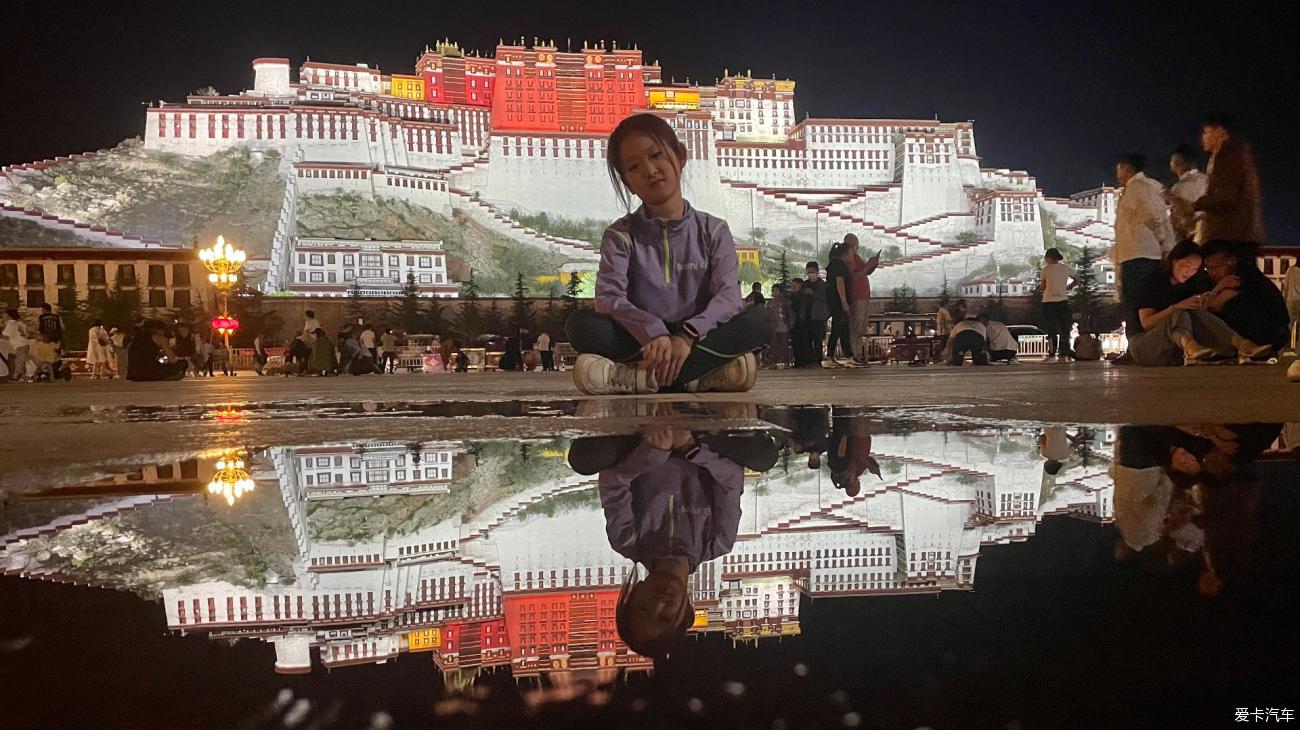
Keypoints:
pixel 526 129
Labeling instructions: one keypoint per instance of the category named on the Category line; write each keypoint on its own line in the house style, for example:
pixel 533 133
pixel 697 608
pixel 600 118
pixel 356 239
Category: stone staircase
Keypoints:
pixel 497 221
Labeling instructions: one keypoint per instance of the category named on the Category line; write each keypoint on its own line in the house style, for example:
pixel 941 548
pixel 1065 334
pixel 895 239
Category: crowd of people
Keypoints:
pixel 1187 279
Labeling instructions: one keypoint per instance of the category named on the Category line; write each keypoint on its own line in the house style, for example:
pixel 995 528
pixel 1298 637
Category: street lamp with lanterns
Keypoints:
pixel 231 479
pixel 223 262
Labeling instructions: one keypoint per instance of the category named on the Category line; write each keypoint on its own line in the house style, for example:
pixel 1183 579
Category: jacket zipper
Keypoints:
pixel 668 277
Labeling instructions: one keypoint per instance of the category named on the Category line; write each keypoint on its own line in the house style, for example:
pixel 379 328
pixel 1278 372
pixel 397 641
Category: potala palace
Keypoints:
pixel 525 130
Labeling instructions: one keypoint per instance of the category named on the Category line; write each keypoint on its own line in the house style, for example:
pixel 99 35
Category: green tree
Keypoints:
pixel 968 237
pixel 571 292
pixel 758 236
pixel 780 269
pixel 76 322
pixel 904 299
pixel 1036 291
pixel 471 317
pixel 120 308
pixel 750 272
pixel 495 322
pixel 247 306
pixel 891 253
pixel 434 321
pixel 1086 296
pixel 945 291
pixel 407 309
pixel 521 313
pixel 356 306
pixel 996 308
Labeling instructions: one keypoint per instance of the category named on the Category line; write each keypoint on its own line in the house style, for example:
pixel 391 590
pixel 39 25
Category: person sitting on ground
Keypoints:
pixel 1173 313
pixel 324 360
pixel 1246 301
pixel 1002 346
pixel 151 356
pixel 668 311
pixel 298 356
pixel 671 502
pixel 44 355
pixel 968 335
pixel 1086 346
pixel 183 347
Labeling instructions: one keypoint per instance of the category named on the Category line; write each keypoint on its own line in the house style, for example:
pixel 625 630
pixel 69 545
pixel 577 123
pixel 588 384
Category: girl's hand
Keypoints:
pixel 678 350
pixel 655 353
pixel 1192 303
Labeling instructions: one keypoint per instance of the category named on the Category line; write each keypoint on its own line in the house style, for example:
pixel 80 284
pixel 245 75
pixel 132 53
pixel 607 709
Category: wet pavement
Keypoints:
pixel 403 562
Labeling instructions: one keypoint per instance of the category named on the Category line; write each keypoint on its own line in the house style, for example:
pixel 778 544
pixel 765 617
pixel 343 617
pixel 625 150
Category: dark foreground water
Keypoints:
pixel 855 569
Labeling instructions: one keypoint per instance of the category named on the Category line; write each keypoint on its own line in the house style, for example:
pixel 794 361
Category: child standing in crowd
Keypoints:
pixel 668 309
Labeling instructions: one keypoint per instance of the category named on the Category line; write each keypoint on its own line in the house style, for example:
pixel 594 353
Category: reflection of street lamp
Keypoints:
pixel 224 262
pixel 231 480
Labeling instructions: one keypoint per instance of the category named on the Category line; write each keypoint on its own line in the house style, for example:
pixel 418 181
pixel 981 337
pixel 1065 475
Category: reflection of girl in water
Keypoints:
pixel 672 502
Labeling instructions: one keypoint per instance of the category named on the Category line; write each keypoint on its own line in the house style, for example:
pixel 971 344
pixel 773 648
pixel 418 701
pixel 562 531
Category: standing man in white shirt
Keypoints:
pixel 1056 281
pixel 1191 186
pixel 544 349
pixel 1142 233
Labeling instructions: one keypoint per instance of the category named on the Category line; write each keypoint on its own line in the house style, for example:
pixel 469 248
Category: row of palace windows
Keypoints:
pixel 66 274
pixel 330 277
pixel 67 298
pixel 318 259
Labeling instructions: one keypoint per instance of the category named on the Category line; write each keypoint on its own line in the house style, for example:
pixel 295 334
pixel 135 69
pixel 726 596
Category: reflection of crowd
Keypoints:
pixel 1180 492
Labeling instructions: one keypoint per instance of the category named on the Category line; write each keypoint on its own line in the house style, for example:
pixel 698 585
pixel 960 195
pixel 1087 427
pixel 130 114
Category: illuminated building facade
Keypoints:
pixel 525 128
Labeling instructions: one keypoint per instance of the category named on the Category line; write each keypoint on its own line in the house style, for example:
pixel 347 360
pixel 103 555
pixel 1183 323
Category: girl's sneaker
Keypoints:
pixel 596 375
pixel 737 376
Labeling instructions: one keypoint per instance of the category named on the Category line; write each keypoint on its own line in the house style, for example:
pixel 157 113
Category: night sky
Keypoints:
pixel 1057 89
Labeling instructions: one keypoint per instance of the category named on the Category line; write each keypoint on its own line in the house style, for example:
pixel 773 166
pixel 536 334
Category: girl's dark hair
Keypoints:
pixel 1180 251
pixel 649 125
pixel 657 647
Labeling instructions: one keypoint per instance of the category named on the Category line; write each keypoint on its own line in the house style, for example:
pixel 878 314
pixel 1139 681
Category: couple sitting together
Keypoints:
pixel 1207 303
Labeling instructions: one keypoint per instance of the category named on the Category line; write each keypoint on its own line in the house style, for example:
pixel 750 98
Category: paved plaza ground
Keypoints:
pixel 102 421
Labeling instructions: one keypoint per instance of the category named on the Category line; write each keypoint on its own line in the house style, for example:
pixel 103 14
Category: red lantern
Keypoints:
pixel 225 324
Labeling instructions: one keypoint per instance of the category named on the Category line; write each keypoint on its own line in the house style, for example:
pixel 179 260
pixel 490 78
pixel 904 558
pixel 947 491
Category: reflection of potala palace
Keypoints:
pixel 533 588
pixel 526 129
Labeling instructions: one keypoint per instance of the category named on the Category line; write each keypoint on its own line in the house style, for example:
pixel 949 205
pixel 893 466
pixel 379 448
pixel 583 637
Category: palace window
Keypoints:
pixel 157 276
pixel 126 275
pixel 95 274
pixel 180 274
pixel 66 274
pixel 158 298
pixel 35 275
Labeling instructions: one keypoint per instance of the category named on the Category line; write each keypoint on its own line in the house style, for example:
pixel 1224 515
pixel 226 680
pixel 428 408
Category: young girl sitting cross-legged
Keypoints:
pixel 668 311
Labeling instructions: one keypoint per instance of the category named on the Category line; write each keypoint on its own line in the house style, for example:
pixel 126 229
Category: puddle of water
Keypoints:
pixel 238 412
pixel 787 553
